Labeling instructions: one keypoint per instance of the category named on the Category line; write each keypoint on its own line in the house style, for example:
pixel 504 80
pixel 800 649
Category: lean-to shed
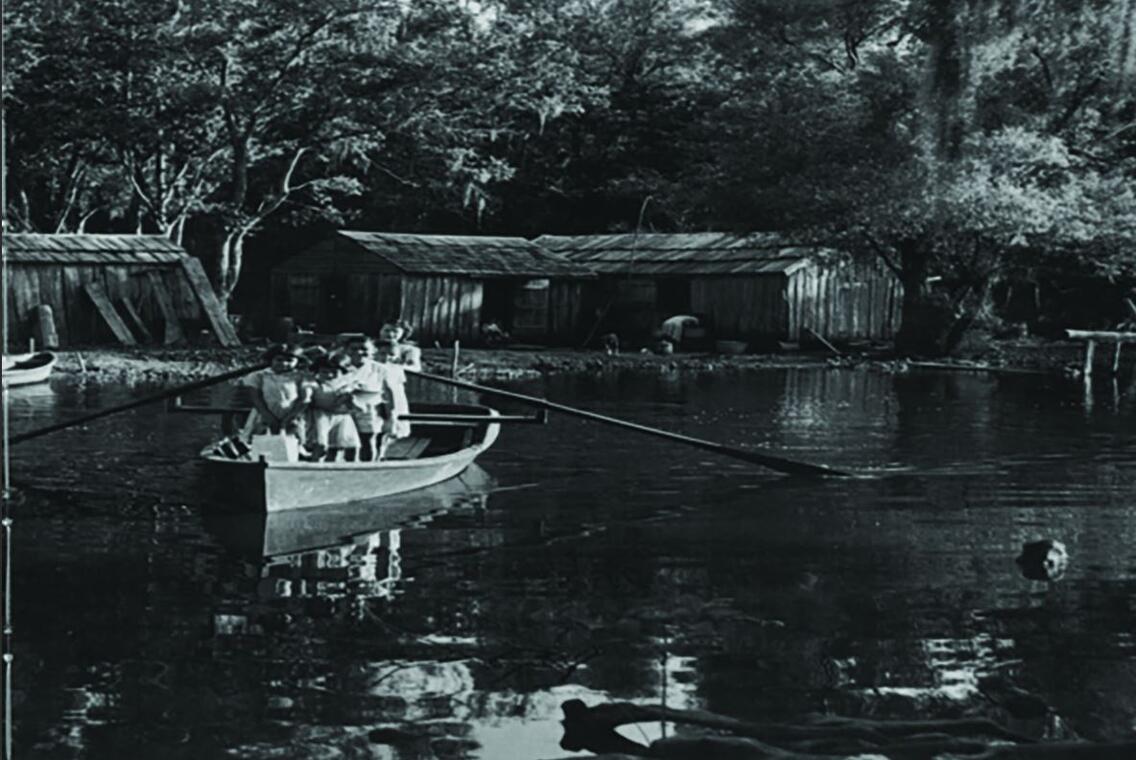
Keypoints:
pixel 108 288
pixel 447 286
pixel 756 288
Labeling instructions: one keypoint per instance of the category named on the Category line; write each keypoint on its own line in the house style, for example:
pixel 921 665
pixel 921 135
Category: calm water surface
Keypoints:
pixel 584 562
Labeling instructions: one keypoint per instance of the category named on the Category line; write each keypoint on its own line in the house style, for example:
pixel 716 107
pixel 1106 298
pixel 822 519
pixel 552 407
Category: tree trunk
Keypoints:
pixel 916 330
pixel 946 86
pixel 977 303
pixel 230 257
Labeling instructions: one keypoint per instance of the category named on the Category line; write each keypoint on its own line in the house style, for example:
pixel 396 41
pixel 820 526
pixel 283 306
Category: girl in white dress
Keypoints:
pixel 392 349
pixel 331 428
pixel 278 395
pixel 380 399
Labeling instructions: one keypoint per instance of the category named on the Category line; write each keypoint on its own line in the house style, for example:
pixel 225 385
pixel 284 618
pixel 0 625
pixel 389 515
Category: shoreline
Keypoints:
pixel 165 365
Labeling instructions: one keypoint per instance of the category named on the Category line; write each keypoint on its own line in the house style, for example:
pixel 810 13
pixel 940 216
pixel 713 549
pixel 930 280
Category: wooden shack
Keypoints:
pixel 99 289
pixel 448 287
pixel 756 288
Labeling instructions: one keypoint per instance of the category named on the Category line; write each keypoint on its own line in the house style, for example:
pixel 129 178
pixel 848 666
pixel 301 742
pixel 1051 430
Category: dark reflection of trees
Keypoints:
pixel 137 651
pixel 1073 647
pixel 930 425
pixel 551 616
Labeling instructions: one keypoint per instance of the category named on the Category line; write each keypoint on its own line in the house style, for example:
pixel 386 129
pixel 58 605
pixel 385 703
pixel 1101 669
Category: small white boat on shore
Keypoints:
pixel 26 369
pixel 444 441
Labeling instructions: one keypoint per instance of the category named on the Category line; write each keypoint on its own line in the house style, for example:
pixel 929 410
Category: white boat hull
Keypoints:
pixel 269 486
pixel 15 375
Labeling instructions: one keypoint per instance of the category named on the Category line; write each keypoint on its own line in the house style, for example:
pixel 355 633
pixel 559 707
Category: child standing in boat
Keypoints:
pixel 396 349
pixel 331 427
pixel 379 398
pixel 277 395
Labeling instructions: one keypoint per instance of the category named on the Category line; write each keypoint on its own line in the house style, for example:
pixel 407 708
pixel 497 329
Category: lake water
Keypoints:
pixel 585 562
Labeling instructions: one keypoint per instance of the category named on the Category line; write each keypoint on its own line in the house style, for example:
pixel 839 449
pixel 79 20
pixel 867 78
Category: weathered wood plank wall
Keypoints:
pixel 843 301
pixel 61 286
pixel 442 308
pixel 850 300
pixel 371 300
pixel 566 311
pixel 740 307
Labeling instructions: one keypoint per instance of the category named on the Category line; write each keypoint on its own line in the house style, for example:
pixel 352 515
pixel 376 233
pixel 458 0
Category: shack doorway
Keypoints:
pixel 497 304
pixel 519 307
pixel 530 308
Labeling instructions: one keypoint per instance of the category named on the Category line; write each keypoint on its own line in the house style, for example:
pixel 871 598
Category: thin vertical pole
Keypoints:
pixel 6 569
pixel 1090 352
pixel 454 371
pixel 5 498
pixel 4 232
pixel 665 657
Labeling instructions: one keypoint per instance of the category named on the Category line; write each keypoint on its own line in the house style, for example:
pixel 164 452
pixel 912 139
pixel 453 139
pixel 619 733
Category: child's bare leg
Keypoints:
pixel 367 447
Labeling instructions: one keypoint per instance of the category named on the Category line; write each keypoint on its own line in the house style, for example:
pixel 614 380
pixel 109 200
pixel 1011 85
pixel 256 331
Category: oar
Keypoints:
pixel 774 463
pixel 196 385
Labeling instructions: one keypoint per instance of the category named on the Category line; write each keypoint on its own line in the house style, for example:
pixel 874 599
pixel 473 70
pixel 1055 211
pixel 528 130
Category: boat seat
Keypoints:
pixel 407 448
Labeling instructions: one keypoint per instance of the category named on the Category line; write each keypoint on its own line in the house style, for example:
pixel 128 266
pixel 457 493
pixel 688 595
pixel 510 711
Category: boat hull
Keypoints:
pixel 269 534
pixel 266 486
pixel 18 373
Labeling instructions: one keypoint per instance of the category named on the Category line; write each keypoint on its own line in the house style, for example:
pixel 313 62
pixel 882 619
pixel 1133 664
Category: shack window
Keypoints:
pixel 530 306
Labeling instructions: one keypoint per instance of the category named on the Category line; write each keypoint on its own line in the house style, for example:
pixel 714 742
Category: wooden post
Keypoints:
pixel 136 320
pixel 1090 351
pixel 1116 359
pixel 820 337
pixel 454 371
pixel 45 322
pixel 106 309
pixel 172 330
pixel 213 308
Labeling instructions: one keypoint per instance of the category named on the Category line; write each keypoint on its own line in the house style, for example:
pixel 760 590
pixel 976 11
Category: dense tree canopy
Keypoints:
pixel 957 140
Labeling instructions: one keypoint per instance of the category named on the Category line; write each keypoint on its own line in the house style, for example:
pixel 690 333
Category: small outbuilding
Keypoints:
pixel 72 290
pixel 755 288
pixel 447 286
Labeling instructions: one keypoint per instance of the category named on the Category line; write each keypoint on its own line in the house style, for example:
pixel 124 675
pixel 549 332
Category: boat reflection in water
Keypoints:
pixel 321 557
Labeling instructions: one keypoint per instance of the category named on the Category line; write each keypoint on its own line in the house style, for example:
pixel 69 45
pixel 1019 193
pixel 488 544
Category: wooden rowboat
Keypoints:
pixel 444 441
pixel 265 535
pixel 25 370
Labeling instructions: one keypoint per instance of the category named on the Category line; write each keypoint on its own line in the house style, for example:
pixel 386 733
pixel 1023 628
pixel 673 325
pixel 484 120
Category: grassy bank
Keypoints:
pixel 158 365
pixel 184 364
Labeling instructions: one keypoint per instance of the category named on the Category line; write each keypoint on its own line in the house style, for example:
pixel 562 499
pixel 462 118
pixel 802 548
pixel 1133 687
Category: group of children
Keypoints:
pixel 344 405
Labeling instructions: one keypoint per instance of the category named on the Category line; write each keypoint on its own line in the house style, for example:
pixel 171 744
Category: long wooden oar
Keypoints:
pixel 774 463
pixel 188 387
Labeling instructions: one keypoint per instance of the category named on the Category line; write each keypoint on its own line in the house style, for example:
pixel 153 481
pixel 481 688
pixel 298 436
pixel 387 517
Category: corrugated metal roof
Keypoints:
pixel 475 256
pixel 703 253
pixel 91 249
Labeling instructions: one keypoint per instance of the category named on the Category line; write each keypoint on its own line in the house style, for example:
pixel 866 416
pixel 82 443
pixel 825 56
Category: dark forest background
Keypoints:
pixel 984 149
